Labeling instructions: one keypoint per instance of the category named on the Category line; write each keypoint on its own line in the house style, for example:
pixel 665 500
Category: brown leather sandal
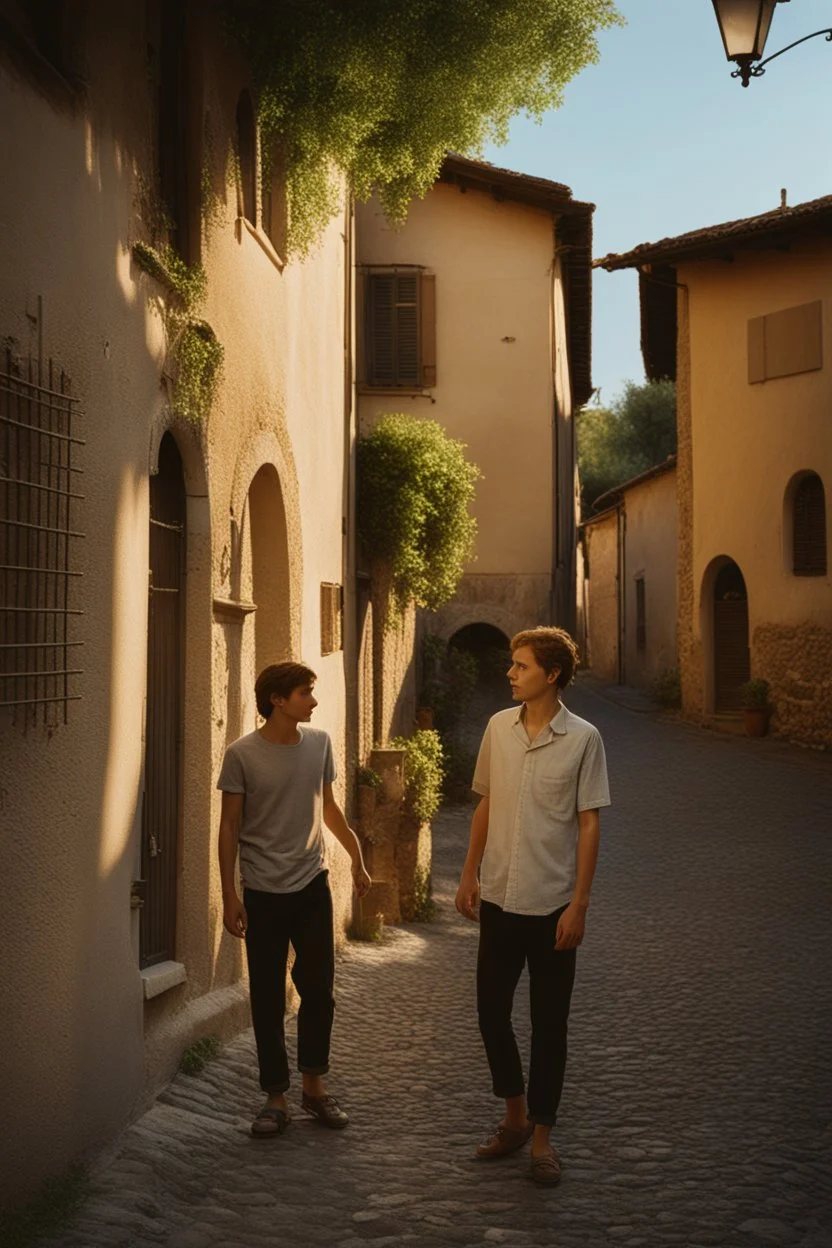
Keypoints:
pixel 503 1141
pixel 546 1168
pixel 269 1122
pixel 326 1109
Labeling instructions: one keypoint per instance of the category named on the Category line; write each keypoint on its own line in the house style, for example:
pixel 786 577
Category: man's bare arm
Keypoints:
pixel 234 915
pixel 468 893
pixel 572 922
pixel 343 833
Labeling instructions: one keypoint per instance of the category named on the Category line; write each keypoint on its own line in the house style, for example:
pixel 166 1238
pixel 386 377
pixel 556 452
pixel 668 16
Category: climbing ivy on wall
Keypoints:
pixel 193 347
pixel 379 91
pixel 415 486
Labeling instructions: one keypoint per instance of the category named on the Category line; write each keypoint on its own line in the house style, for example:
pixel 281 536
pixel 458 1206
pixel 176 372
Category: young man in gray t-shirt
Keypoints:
pixel 276 787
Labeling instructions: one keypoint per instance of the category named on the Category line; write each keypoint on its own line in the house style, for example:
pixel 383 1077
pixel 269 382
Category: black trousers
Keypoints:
pixel 507 943
pixel 305 919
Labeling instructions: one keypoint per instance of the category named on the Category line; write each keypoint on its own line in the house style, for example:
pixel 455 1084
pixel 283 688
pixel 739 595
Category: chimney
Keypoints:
pixel 783 203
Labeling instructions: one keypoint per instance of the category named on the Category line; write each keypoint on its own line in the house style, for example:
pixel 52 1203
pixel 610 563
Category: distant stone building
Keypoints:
pixel 476 314
pixel 628 605
pixel 740 314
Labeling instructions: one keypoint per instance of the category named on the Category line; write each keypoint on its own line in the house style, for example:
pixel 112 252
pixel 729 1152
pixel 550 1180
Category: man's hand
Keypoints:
pixel 468 895
pixel 361 880
pixel 571 926
pixel 234 917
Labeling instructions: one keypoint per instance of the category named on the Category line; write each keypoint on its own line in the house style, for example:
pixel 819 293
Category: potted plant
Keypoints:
pixel 755 707
pixel 369 786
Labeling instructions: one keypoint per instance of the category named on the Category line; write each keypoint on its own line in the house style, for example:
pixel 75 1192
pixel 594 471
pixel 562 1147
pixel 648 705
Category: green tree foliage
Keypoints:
pixel 414 489
pixel 619 442
pixel 381 90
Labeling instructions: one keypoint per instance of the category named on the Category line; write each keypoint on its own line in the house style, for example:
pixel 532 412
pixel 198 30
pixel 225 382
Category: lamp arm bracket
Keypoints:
pixel 747 71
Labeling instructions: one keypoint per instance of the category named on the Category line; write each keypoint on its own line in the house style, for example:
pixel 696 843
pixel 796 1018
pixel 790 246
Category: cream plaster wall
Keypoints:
pixel 81 1049
pixel 602 608
pixel 651 552
pixel 746 444
pixel 494 282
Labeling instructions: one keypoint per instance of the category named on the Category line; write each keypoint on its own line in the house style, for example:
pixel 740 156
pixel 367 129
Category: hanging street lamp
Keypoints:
pixel 744 26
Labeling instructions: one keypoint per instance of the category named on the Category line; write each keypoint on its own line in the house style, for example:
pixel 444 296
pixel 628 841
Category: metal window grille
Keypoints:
pixel 331 618
pixel 39 475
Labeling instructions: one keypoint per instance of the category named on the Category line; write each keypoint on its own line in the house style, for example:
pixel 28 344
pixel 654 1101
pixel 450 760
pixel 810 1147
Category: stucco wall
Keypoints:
pixel 740 445
pixel 81 1048
pixel 651 554
pixel 602 612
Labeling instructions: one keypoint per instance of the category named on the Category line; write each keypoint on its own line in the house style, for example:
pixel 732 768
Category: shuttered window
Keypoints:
pixel 809 552
pixel 331 618
pixel 247 156
pixel 399 329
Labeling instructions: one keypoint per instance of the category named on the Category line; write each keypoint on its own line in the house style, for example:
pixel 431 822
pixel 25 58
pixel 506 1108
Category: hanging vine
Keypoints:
pixel 193 348
pixel 378 92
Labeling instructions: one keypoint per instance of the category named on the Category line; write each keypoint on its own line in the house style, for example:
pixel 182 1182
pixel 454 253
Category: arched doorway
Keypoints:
pixel 731 662
pixel 264 583
pixel 489 646
pixel 162 797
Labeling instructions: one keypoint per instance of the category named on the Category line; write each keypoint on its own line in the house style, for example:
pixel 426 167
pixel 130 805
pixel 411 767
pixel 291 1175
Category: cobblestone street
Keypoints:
pixel 698 1102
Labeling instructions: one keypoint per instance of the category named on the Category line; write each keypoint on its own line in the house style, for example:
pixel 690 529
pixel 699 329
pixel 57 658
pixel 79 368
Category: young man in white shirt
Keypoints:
pixel 276 787
pixel 542 777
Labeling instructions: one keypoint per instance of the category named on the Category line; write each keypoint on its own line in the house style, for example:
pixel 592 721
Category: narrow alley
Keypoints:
pixel 698 1103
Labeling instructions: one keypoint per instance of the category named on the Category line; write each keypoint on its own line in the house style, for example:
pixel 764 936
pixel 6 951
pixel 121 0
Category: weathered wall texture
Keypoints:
pixel 740 447
pixel 651 553
pixel 602 612
pixel 82 1050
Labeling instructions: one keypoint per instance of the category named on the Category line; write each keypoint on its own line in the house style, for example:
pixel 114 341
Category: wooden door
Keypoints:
pixel 161 806
pixel 732 666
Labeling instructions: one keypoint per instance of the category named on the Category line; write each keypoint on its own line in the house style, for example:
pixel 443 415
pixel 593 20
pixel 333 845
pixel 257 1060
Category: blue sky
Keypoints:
pixel 662 139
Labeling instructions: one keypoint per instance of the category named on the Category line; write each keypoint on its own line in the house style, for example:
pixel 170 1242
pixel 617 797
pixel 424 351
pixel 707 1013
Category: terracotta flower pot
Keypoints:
pixel 756 720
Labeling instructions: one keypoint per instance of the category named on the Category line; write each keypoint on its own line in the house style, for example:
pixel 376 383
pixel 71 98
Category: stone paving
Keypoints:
pixel 698 1103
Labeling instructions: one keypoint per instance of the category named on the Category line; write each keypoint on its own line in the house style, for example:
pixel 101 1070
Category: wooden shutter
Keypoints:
pixel 641 616
pixel 332 610
pixel 361 327
pixel 427 318
pixel 809 551
pixel 392 329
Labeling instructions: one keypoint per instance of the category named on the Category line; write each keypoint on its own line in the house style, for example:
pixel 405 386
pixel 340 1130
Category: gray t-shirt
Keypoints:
pixel 281 837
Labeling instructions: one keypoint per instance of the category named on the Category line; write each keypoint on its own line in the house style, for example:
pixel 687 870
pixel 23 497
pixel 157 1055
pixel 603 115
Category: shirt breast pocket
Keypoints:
pixel 555 794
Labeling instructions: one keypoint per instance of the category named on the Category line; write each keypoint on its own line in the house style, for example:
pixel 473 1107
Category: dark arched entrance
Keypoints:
pixel 732 666
pixel 488 645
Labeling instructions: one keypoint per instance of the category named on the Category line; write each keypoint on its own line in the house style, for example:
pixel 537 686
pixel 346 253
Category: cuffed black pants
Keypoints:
pixel 274 920
pixel 507 943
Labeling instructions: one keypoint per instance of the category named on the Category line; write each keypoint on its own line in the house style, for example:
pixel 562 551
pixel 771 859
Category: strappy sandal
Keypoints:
pixel 269 1122
pixel 545 1169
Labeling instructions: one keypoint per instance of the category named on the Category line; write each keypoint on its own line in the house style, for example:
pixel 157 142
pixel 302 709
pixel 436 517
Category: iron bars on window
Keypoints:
pixel 39 476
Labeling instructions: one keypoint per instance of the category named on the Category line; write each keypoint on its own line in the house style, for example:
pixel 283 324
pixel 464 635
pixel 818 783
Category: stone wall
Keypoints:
pixel 507 602
pixel 797 663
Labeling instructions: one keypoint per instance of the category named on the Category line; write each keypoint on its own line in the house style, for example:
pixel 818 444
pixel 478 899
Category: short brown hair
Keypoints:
pixel 551 647
pixel 282 679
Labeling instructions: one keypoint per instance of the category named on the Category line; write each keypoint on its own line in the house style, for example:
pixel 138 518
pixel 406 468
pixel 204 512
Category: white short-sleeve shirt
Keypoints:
pixel 536 789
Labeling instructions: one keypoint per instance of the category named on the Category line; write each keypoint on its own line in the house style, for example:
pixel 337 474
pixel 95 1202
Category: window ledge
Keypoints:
pixel 262 241
pixel 232 609
pixel 159 978
pixel 410 392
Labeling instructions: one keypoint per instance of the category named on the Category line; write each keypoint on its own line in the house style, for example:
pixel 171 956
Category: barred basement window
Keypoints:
pixel 809 533
pixel 331 618
pixel 38 540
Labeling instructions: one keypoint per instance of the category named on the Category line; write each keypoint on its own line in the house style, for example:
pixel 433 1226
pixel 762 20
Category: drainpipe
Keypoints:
pixel 621 590
pixel 348 543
